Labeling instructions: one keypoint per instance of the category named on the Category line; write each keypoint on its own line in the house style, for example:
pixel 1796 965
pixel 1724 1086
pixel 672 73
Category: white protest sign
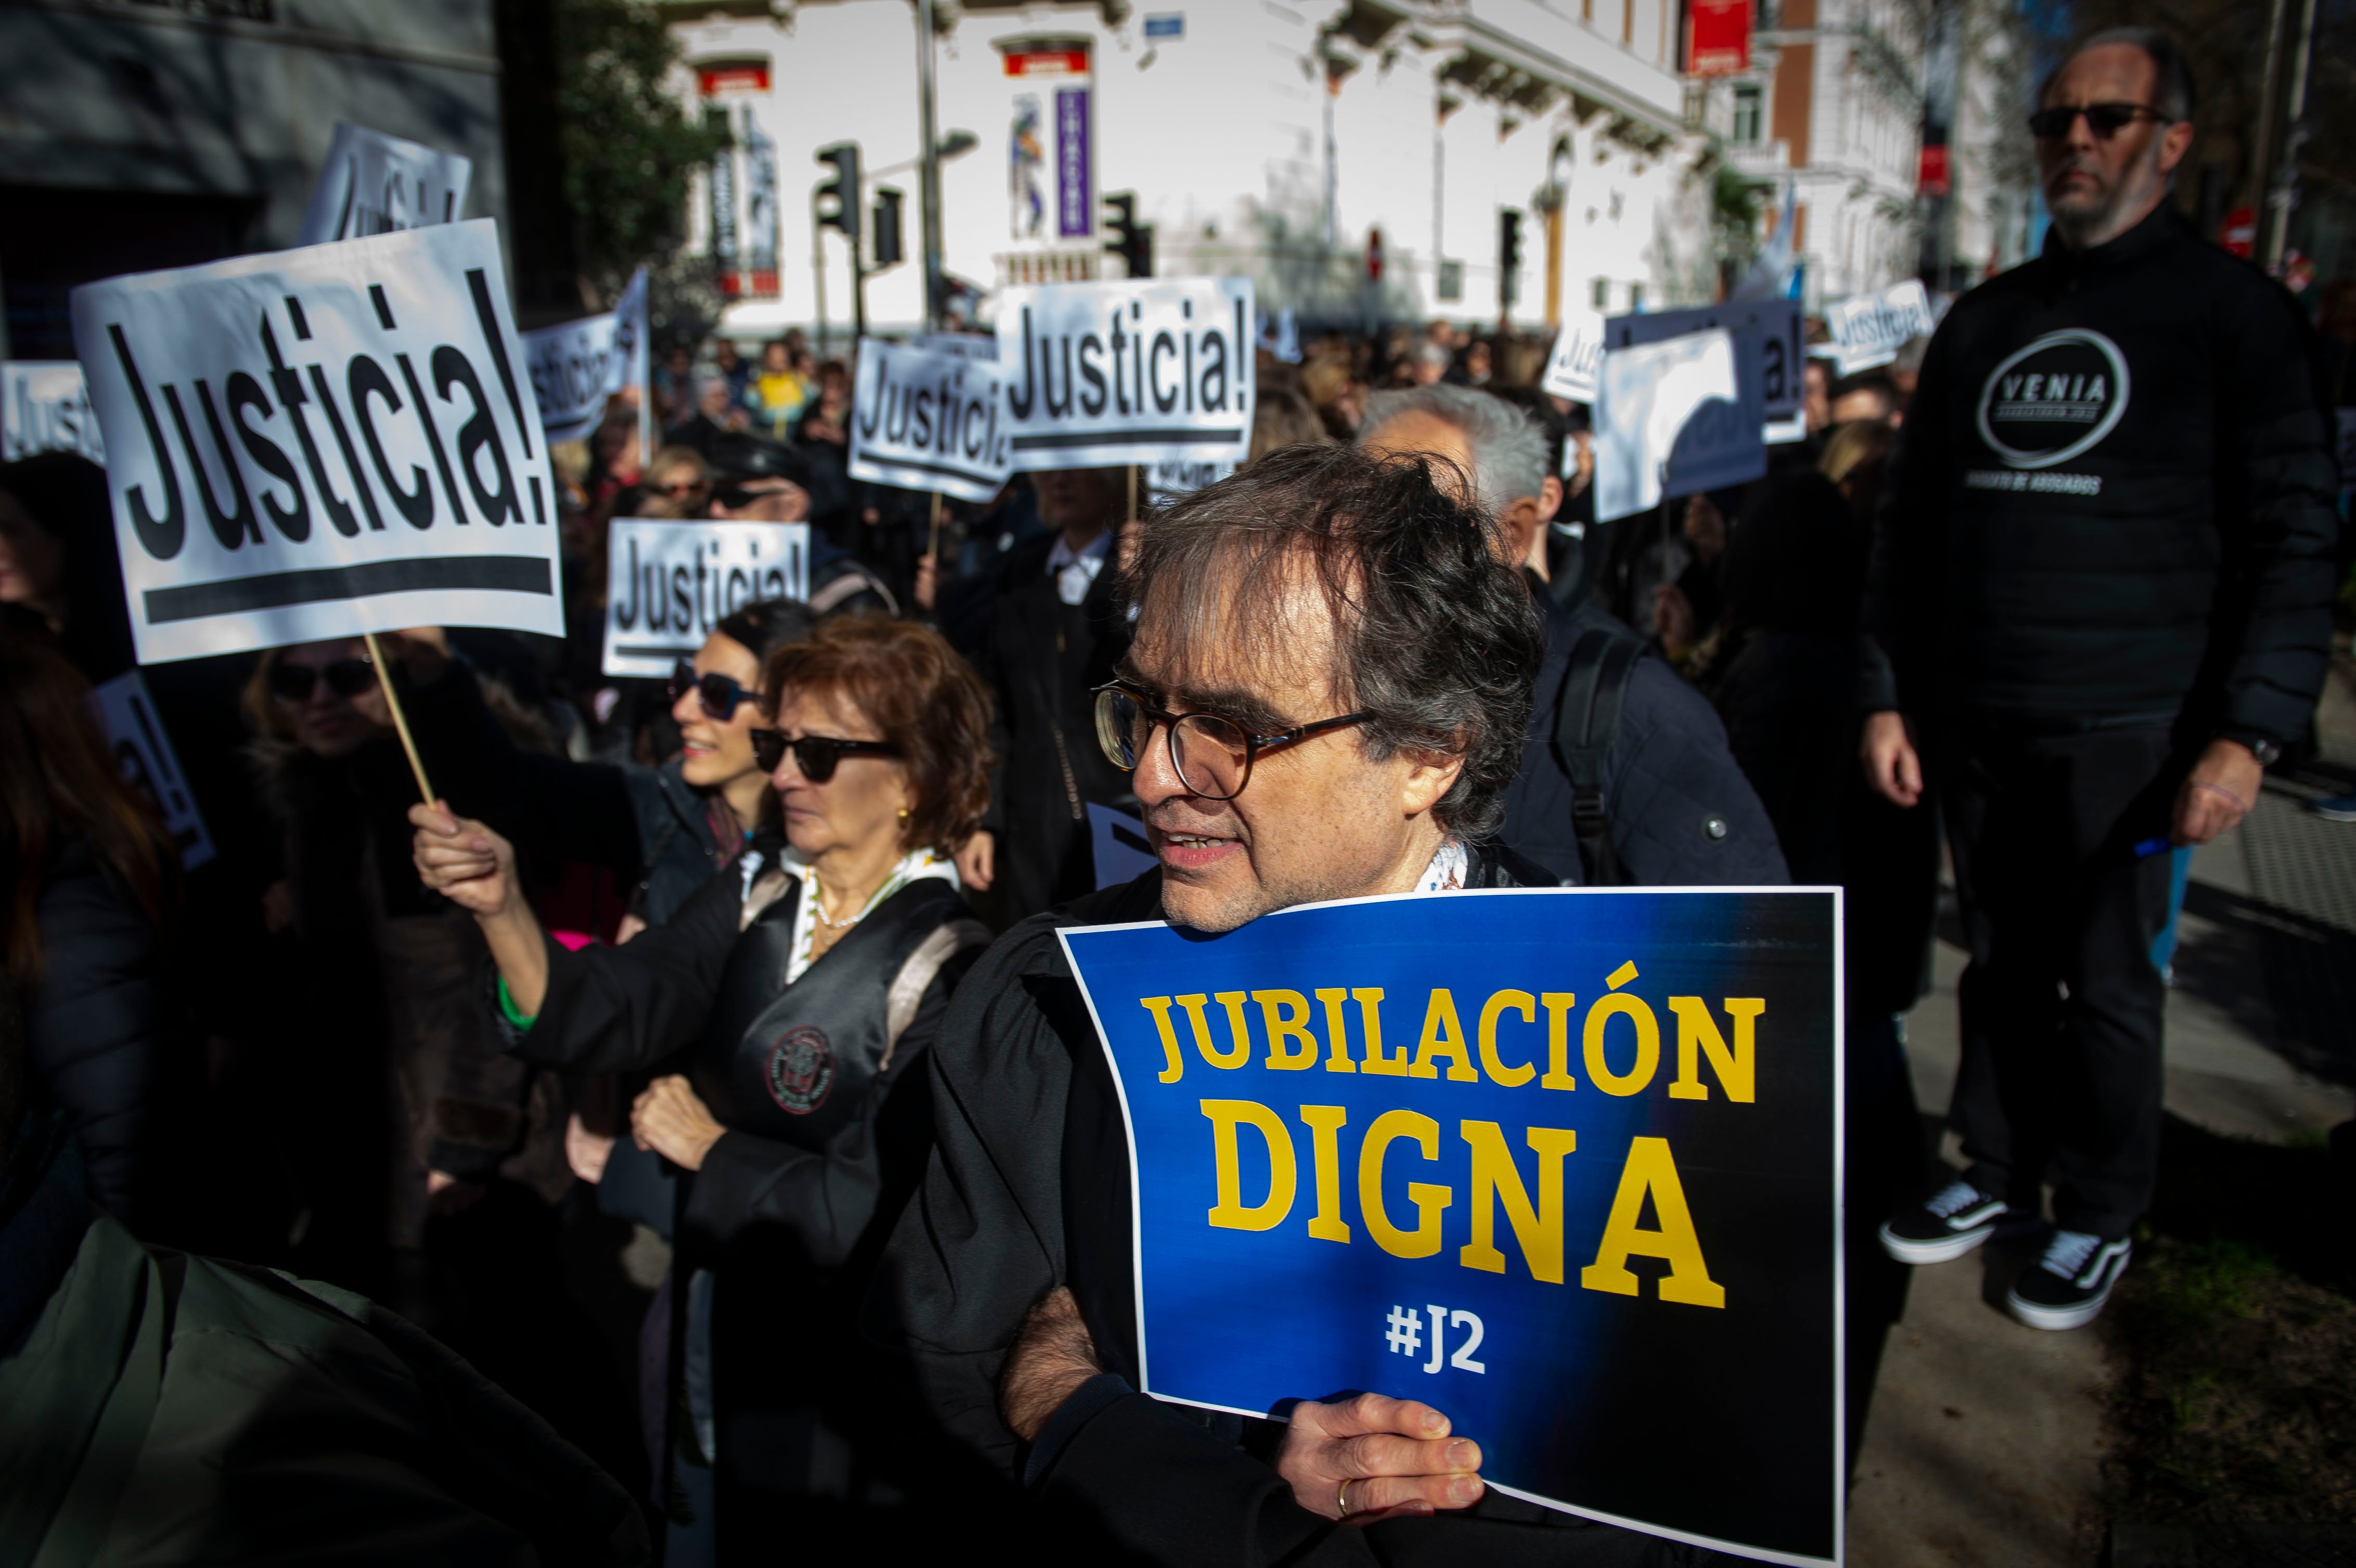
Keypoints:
pixel 928 422
pixel 576 367
pixel 1577 354
pixel 318 442
pixel 44 407
pixel 1770 344
pixel 376 184
pixel 1168 478
pixel 964 345
pixel 1100 374
pixel 128 716
pixel 670 585
pixel 1670 419
pixel 1870 329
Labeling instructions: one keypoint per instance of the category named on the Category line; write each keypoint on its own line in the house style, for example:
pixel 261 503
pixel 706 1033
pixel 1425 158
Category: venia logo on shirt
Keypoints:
pixel 2053 400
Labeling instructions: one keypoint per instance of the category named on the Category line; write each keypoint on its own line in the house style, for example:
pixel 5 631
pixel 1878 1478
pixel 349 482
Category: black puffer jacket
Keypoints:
pixel 2113 501
pixel 109 1043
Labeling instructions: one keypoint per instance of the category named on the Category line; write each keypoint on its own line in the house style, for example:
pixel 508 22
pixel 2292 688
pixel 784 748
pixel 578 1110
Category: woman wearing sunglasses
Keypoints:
pixel 801 998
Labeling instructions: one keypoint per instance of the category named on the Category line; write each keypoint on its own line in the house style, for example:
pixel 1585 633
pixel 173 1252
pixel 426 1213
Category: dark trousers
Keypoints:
pixel 2062 1007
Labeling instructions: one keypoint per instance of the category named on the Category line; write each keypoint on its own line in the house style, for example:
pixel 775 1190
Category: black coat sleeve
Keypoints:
pixel 825 1200
pixel 107 1040
pixel 616 1009
pixel 1682 814
pixel 983 1238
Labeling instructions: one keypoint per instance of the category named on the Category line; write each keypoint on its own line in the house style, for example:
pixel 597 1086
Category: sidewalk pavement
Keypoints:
pixel 1984 1443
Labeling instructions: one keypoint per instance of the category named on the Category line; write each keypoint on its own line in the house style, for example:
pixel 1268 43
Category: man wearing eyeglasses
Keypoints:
pixel 1324 699
pixel 2099 605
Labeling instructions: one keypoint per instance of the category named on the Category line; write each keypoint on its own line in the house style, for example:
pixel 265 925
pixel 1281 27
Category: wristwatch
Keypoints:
pixel 2268 752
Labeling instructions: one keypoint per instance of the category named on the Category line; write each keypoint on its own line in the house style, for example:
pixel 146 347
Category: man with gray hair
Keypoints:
pixel 1625 775
pixel 1324 699
pixel 2100 596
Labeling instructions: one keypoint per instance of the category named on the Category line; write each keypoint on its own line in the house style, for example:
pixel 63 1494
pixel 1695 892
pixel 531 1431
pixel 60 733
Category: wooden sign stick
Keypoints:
pixel 399 719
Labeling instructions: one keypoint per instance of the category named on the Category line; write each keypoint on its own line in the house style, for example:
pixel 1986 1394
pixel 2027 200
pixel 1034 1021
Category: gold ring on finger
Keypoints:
pixel 1342 1498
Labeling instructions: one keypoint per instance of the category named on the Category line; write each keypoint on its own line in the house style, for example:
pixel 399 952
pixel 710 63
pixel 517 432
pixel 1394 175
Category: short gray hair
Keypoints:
pixel 1509 450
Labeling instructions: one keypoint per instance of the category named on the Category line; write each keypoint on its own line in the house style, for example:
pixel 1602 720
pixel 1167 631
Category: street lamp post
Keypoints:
pixel 928 179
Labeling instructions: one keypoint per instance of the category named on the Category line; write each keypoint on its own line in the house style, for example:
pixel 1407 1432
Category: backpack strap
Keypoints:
pixel 1586 721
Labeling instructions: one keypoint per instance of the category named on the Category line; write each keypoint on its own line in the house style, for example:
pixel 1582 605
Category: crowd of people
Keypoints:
pixel 700 1065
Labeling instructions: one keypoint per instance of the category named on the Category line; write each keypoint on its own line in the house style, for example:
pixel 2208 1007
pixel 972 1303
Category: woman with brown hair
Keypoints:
pixel 91 882
pixel 802 997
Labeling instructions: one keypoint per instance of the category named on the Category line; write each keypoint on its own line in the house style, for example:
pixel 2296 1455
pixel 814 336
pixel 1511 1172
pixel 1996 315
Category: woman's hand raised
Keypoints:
pixel 463 860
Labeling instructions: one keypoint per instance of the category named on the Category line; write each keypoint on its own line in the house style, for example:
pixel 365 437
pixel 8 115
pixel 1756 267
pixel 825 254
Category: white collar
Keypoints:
pixel 1090 554
pixel 1448 869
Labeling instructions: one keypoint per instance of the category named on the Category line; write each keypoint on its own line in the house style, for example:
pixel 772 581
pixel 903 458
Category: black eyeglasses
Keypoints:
pixel 816 756
pixel 2105 119
pixel 719 694
pixel 296 682
pixel 1214 756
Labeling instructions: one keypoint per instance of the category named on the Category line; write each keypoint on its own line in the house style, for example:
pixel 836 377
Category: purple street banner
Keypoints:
pixel 1076 203
pixel 319 443
pixel 1561 1163
pixel 1095 375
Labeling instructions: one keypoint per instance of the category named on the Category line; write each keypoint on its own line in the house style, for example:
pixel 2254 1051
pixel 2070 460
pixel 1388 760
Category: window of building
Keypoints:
pixel 1748 102
pixel 1602 294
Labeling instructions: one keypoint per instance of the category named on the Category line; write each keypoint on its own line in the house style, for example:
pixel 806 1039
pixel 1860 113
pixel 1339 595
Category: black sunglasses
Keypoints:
pixel 1212 755
pixel 2105 119
pixel 296 682
pixel 816 756
pixel 719 694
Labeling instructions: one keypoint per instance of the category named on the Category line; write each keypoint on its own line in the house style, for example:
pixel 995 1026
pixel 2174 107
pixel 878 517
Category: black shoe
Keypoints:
pixel 2070 1282
pixel 1947 1225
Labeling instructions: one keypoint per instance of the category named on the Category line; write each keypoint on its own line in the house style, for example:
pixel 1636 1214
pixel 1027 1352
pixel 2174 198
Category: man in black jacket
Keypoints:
pixel 2101 581
pixel 1326 699
pixel 1053 634
pixel 1670 805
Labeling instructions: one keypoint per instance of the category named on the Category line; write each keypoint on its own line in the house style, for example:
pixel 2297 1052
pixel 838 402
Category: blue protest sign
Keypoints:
pixel 1563 1163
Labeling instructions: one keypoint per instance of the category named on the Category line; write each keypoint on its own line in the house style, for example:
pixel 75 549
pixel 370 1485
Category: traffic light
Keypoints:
pixel 889 250
pixel 1132 241
pixel 842 190
pixel 1509 256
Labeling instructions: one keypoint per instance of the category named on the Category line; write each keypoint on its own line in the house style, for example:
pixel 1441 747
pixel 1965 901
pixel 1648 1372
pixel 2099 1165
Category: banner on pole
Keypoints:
pixel 319 443
pixel 1562 1163
pixel 1101 374
pixel 44 407
pixel 1168 478
pixel 928 422
pixel 1770 344
pixel 575 367
pixel 1578 355
pixel 376 184
pixel 144 748
pixel 964 345
pixel 1870 329
pixel 1672 418
pixel 670 585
